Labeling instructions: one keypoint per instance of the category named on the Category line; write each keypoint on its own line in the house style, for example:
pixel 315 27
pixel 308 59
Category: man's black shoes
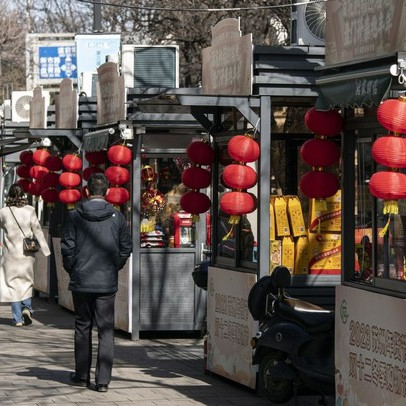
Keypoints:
pixel 101 388
pixel 75 381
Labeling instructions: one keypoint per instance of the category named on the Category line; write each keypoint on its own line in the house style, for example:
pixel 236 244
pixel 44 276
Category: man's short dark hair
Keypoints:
pixel 97 184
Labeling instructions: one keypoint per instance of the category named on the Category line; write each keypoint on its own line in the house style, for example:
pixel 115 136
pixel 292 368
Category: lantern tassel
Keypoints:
pixel 389 207
pixel 230 234
pixel 195 218
pixel 385 229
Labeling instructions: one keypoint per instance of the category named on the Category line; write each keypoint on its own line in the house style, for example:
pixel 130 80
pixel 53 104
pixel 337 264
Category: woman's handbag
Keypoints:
pixel 30 244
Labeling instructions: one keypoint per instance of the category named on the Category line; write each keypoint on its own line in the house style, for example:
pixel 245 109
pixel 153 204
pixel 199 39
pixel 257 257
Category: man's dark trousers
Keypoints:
pixel 98 307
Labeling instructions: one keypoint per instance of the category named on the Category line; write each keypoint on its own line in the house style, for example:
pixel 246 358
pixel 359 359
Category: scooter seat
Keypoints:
pixel 311 317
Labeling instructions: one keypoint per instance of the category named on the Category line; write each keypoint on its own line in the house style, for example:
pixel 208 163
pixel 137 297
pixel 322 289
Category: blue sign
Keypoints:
pixel 57 62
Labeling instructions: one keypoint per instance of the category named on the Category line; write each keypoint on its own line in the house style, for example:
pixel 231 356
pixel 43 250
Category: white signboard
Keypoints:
pixel 228 63
pixel 230 326
pixel 370 348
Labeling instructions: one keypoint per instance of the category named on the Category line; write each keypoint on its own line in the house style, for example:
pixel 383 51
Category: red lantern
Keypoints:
pixel 117 175
pixel 24 184
pixel 53 163
pixel 237 203
pixel 242 148
pixel 239 176
pixel 26 158
pixel 119 155
pixel 69 179
pixel 89 171
pixel 388 185
pixel 390 151
pixel 196 178
pixel 38 171
pixel 96 157
pixel 35 188
pixel 391 114
pixel 40 155
pixel 69 197
pixel 23 171
pixel 328 123
pixel 194 202
pixel 319 184
pixel 72 162
pixel 50 179
pixel 200 152
pixel 117 195
pixel 50 195
pixel 320 152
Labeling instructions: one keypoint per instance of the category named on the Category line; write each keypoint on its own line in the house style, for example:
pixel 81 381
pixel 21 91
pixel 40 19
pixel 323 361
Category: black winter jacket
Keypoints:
pixel 95 245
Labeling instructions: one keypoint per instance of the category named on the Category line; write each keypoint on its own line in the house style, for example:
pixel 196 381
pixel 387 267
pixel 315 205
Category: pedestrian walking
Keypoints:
pixel 95 245
pixel 18 221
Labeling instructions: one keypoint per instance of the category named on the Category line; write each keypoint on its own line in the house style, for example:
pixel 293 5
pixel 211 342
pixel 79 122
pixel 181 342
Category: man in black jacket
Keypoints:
pixel 95 245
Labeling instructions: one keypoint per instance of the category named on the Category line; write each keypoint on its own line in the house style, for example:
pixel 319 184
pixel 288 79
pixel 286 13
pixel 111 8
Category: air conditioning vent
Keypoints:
pixel 20 105
pixel 308 24
pixel 150 66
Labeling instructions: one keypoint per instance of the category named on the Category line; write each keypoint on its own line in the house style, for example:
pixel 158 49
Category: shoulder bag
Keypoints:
pixel 30 245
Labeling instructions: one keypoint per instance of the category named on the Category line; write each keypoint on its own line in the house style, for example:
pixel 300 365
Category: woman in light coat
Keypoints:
pixel 16 267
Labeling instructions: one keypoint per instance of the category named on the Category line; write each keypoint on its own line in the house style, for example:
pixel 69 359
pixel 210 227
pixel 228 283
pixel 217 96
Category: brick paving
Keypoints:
pixel 36 361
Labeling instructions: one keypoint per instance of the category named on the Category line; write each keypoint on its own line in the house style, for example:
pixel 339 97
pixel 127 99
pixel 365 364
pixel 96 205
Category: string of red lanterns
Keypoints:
pixel 200 153
pixel 390 151
pixel 239 177
pixel 70 179
pixel 319 153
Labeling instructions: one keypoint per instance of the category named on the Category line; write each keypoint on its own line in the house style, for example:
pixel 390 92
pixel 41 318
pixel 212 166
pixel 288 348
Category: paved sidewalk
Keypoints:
pixel 36 361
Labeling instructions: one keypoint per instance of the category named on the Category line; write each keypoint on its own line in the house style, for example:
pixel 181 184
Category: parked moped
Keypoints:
pixel 294 346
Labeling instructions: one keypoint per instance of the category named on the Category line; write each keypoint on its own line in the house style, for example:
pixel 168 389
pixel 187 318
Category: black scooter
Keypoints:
pixel 295 343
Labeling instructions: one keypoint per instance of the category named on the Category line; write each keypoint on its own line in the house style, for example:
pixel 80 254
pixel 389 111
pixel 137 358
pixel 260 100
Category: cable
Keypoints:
pixel 199 10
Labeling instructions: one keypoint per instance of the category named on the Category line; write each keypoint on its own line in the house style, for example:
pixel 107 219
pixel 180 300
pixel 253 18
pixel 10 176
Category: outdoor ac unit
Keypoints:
pixel 308 23
pixel 88 83
pixel 150 66
pixel 20 105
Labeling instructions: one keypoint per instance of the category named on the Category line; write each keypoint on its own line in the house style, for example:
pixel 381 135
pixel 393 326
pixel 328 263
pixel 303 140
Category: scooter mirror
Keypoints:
pixel 281 277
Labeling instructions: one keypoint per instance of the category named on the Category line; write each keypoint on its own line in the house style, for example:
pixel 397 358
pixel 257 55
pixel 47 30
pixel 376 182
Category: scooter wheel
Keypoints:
pixel 276 389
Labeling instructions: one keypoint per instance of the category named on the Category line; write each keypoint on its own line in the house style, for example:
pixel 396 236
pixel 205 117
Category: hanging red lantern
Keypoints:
pixel 236 204
pixel 117 175
pixel 89 171
pixel 24 184
pixel 200 152
pixel 328 123
pixel 35 188
pixel 119 155
pixel 117 195
pixel 195 202
pixel 96 157
pixel 69 197
pixel 320 152
pixel 72 162
pixel 69 179
pixel 196 178
pixel 390 151
pixel 319 184
pixel 391 114
pixel 239 176
pixel 50 179
pixel 388 185
pixel 50 196
pixel 53 163
pixel 26 158
pixel 243 148
pixel 40 155
pixel 23 171
pixel 37 171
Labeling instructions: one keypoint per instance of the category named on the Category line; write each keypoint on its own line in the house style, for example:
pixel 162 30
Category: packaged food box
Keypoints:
pixel 295 214
pixel 281 216
pixel 324 253
pixel 328 220
pixel 288 253
pixel 301 255
pixel 275 256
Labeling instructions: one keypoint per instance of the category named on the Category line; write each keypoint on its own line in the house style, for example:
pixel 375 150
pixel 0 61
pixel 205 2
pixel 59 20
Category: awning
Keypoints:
pixel 97 140
pixel 358 88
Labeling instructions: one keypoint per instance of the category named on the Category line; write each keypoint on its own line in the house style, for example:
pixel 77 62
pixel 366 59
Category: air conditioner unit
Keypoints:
pixel 20 105
pixel 88 83
pixel 308 23
pixel 150 66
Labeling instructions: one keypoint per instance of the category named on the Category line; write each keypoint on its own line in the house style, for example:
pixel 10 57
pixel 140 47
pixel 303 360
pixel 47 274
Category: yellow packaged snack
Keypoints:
pixel 275 254
pixel 281 216
pixel 288 253
pixel 272 222
pixel 301 255
pixel 295 213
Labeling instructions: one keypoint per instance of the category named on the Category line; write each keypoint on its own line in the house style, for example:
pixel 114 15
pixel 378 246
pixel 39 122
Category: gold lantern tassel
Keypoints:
pixel 389 207
pixel 233 221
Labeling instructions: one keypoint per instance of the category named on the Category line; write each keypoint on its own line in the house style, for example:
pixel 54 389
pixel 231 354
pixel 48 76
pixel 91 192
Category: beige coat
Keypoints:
pixel 17 268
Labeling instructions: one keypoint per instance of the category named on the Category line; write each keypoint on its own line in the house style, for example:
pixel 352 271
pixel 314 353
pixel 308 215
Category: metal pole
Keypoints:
pixel 97 27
